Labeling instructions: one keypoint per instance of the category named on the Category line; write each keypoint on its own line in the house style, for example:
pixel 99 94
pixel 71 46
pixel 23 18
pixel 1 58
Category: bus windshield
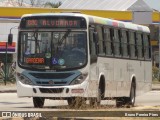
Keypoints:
pixel 52 50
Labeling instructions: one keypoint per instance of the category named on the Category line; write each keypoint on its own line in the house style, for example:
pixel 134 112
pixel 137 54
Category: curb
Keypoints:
pixel 8 91
pixel 14 91
pixel 154 89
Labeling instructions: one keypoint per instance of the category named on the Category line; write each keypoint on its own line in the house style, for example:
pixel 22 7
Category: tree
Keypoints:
pixel 36 3
pixel 20 2
pixel 52 5
pixel 14 3
pixel 32 3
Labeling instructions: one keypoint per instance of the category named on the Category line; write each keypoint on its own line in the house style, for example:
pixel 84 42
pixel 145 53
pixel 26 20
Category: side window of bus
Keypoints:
pixel 132 45
pixel 148 36
pixel 29 43
pixel 146 46
pixel 112 40
pixel 116 43
pixel 107 42
pixel 100 46
pixel 124 43
pixel 139 45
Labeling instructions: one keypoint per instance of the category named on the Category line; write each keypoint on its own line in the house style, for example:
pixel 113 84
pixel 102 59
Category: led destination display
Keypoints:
pixel 53 22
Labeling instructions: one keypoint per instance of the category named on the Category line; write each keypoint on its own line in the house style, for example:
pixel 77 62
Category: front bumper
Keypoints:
pixel 79 90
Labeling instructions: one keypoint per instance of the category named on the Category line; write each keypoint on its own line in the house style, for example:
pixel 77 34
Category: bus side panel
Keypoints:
pixel 148 76
pixel 121 76
pixel 106 68
pixel 140 70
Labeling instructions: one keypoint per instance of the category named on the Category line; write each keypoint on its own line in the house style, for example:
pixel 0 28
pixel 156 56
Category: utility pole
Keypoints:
pixel 6 72
pixel 8 42
pixel 159 44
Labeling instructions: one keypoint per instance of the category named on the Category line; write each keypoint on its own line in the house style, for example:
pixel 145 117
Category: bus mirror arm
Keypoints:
pixel 10 35
pixel 10 39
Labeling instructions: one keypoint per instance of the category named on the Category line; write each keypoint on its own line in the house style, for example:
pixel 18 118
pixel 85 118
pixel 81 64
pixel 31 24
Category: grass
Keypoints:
pixel 155 82
pixel 140 118
pixel 8 83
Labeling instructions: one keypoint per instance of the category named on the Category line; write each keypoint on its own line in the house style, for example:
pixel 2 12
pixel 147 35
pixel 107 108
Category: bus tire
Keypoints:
pixel 38 102
pixel 94 102
pixel 71 102
pixel 127 101
pixel 76 102
pixel 120 102
pixel 131 99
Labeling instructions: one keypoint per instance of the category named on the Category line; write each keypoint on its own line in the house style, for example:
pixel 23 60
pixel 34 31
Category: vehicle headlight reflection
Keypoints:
pixel 79 79
pixel 24 79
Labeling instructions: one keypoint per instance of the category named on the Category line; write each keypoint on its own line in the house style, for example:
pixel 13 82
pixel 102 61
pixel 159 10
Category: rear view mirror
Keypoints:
pixel 10 39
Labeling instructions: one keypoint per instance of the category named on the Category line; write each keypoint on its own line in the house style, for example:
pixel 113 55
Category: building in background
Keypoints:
pixel 113 5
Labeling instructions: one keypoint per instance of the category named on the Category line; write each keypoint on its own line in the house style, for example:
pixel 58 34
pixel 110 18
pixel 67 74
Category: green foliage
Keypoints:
pixel 9 58
pixel 52 5
pixel 7 75
pixel 155 72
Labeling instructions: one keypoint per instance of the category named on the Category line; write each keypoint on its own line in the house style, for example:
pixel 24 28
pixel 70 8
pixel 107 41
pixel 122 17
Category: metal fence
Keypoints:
pixel 155 74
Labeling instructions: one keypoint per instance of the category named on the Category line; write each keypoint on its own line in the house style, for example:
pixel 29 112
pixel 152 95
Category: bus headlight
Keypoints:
pixel 79 79
pixel 24 79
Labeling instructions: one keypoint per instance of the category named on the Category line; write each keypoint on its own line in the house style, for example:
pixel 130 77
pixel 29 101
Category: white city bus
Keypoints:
pixel 75 56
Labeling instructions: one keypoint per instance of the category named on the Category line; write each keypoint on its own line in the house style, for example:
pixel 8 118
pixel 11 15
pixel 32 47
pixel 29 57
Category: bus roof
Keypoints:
pixel 97 20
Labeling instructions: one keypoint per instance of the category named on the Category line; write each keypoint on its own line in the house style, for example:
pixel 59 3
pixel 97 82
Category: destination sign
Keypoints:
pixel 35 60
pixel 53 22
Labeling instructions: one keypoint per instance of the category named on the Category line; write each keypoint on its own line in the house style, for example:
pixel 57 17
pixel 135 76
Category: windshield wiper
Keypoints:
pixel 36 41
pixel 60 41
pixel 64 37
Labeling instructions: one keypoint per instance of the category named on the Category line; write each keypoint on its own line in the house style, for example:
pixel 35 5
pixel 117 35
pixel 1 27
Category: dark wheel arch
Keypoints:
pixel 131 99
pixel 102 86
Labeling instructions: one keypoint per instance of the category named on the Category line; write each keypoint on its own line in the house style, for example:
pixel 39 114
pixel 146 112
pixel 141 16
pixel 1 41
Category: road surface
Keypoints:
pixel 10 101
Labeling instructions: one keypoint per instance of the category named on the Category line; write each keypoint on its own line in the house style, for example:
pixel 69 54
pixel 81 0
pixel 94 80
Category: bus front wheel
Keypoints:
pixel 38 102
pixel 76 102
pixel 96 101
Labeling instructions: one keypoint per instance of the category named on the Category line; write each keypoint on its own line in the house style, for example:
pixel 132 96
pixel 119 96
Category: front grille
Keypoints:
pixel 47 83
pixel 51 75
pixel 51 90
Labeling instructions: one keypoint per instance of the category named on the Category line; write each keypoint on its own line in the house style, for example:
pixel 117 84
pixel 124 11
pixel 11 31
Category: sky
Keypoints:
pixel 155 4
